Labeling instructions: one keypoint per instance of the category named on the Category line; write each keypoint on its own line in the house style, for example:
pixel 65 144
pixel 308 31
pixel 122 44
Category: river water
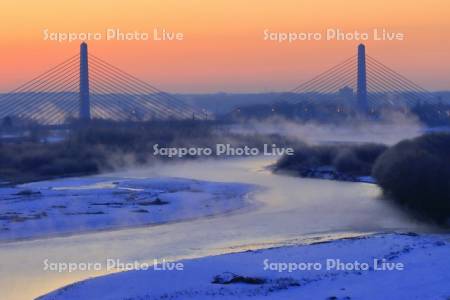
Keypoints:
pixel 286 210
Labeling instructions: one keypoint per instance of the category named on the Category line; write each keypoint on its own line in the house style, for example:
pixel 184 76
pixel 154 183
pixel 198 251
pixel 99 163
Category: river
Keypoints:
pixel 287 210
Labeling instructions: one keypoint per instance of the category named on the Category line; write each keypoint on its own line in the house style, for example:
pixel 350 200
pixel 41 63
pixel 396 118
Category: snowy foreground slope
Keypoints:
pixel 77 205
pixel 425 274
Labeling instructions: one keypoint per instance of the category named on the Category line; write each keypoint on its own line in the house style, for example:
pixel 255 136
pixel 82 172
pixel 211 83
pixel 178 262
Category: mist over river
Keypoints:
pixel 284 211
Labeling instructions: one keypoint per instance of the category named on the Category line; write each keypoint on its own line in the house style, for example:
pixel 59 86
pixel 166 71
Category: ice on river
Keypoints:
pixel 75 205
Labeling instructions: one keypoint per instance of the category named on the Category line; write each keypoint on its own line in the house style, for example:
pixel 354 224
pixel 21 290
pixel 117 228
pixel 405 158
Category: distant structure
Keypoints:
pixel 361 92
pixel 346 92
pixel 85 106
pixel 346 96
pixel 87 87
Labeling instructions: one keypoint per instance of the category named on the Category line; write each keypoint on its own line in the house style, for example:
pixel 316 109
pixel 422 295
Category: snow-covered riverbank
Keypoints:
pixel 75 205
pixel 288 211
pixel 399 266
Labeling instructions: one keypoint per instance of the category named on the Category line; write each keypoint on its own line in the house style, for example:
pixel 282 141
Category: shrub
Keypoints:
pixel 350 159
pixel 416 174
pixel 346 161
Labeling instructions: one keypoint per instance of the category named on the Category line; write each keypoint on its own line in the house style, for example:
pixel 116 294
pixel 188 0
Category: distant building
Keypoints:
pixel 346 92
pixel 346 96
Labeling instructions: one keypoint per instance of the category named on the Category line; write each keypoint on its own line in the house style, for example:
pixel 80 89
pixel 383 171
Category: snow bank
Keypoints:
pixel 253 274
pixel 76 205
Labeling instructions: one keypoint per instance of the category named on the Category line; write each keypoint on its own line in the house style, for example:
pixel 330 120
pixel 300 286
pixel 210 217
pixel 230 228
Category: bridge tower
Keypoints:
pixel 361 93
pixel 85 106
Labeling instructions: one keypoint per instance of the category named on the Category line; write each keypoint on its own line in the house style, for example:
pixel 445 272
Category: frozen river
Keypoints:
pixel 288 210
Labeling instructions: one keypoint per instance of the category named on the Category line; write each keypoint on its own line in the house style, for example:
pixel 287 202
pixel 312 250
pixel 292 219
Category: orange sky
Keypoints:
pixel 223 49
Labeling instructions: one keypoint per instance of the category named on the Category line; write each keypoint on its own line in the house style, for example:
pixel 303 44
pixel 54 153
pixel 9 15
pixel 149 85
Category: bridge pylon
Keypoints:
pixel 85 106
pixel 361 93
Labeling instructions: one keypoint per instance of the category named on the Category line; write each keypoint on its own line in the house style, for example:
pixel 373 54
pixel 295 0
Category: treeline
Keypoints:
pixel 416 174
pixel 413 173
pixel 344 161
pixel 107 146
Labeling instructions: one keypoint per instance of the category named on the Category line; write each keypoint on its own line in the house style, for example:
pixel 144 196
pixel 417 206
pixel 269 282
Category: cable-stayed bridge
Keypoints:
pixel 363 82
pixel 87 87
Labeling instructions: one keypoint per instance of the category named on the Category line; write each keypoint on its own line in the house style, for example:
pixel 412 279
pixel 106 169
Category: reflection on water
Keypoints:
pixel 296 205
pixel 291 210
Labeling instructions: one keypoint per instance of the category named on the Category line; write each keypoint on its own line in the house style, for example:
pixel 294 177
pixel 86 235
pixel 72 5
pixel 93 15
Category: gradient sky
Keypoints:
pixel 224 48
